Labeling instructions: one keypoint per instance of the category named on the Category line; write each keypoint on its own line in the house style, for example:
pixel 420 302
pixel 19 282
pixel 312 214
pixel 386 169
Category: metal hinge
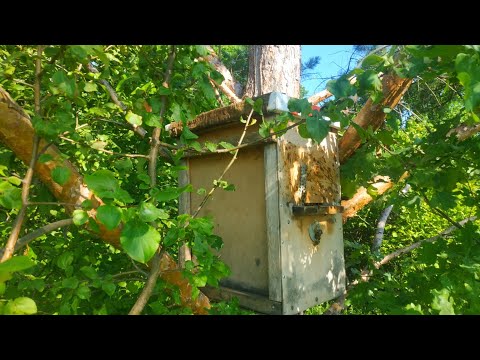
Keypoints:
pixel 316 209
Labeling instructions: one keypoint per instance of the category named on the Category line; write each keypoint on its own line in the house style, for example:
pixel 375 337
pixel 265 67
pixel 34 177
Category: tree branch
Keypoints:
pixel 25 240
pixel 152 171
pixel 17 226
pixel 441 213
pixel 114 96
pixel 149 285
pixel 463 132
pixel 377 241
pixel 155 145
pixel 230 87
pixel 409 248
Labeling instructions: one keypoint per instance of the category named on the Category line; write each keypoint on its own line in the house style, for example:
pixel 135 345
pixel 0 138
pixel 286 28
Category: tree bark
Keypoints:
pixel 274 68
pixel 16 133
pixel 377 241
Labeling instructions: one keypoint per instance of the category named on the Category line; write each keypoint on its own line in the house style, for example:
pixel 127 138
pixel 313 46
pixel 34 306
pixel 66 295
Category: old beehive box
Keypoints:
pixel 282 226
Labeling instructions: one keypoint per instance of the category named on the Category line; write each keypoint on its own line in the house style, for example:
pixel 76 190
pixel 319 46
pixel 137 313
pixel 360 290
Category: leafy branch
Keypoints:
pixel 152 170
pixel 17 226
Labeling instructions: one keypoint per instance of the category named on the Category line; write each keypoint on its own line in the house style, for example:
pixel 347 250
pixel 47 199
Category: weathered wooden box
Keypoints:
pixel 282 226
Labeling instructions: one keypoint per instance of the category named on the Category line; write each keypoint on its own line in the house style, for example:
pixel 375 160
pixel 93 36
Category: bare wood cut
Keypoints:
pixel 372 114
pixel 17 134
pixel 230 87
pixel 362 197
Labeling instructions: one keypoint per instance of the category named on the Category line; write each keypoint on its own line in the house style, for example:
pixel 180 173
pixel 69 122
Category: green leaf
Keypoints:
pixel 65 260
pixel 196 146
pixel 98 111
pixel 144 178
pixel 133 119
pixel 298 105
pixel 44 158
pixel 16 263
pixel 24 306
pixel 172 237
pixel 61 175
pixel 216 76
pixel 155 102
pixel 65 84
pixel 201 50
pixel 317 128
pixel 152 119
pixel 122 196
pixel 90 87
pixel 89 272
pixel 11 198
pixel 103 183
pixel 369 81
pixel 341 87
pixel 162 90
pixel 170 193
pixel 443 302
pixel 109 288
pixel 9 71
pixel 468 72
pixel 87 204
pixel 70 283
pixel 257 106
pixel 303 132
pixel 80 217
pixel 210 146
pixel 226 145
pixel 139 240
pixel 14 180
pixel 187 134
pixel 372 60
pixel 83 292
pixel 109 216
pixel 148 212
pixel 123 164
pixel 385 137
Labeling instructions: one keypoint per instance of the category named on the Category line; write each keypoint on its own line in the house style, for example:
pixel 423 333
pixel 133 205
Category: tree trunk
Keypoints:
pixel 274 68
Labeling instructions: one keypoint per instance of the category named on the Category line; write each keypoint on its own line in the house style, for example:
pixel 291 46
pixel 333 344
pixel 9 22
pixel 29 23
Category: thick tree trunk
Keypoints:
pixel 274 68
pixel 16 133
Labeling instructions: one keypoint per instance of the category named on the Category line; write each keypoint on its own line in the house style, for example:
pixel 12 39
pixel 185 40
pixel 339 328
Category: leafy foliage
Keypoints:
pixel 74 275
pixel 93 130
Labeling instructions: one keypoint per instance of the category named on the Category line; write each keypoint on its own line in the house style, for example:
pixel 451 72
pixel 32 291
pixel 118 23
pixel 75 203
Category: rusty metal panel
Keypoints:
pixel 311 274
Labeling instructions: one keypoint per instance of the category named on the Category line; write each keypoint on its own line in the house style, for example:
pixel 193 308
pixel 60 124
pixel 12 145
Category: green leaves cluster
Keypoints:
pixel 20 305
